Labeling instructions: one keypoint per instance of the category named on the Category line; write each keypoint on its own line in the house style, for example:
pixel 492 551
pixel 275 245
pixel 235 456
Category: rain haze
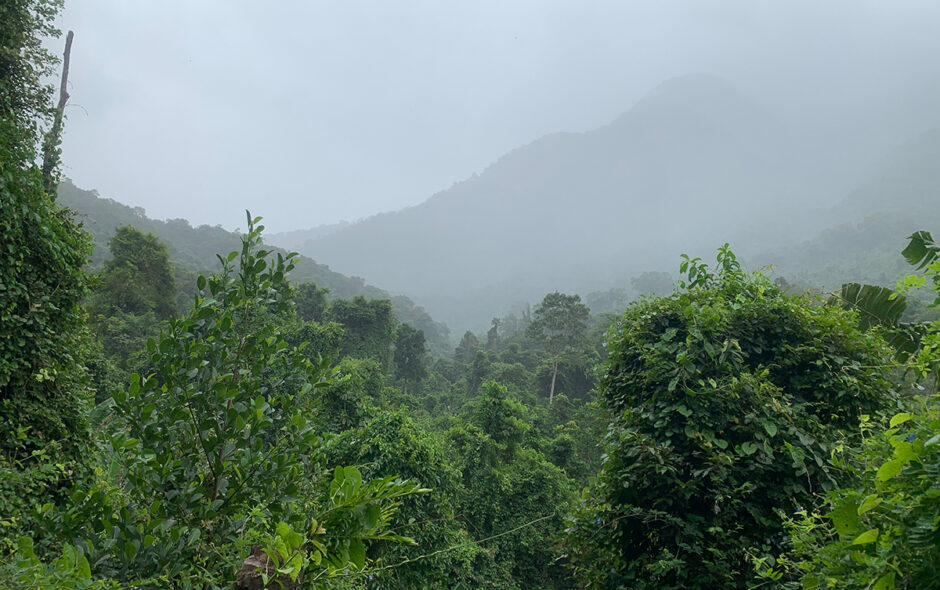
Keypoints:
pixel 313 112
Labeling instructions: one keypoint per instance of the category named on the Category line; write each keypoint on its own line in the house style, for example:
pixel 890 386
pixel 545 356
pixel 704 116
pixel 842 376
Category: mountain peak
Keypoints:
pixel 695 86
pixel 701 94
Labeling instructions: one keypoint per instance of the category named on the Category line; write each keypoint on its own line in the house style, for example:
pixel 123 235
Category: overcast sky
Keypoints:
pixel 309 112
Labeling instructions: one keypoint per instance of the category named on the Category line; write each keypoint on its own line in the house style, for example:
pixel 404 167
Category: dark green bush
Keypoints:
pixel 725 397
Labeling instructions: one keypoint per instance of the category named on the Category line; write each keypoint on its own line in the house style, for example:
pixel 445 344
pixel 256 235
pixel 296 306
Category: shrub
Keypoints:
pixel 725 398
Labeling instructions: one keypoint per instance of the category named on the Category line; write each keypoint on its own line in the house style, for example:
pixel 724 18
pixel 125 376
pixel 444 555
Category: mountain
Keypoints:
pixel 194 249
pixel 582 211
pixel 899 195
pixel 297 240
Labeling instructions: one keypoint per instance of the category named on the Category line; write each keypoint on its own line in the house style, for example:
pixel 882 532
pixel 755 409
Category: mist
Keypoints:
pixel 493 149
pixel 344 110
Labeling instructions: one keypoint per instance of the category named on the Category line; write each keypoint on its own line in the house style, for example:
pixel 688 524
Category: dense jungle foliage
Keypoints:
pixel 253 429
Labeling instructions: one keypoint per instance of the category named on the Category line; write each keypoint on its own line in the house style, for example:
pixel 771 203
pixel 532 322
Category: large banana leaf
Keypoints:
pixel 880 306
pixel 921 250
pixel 875 305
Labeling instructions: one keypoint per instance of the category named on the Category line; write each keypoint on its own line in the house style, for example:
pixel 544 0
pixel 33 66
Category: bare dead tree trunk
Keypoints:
pixel 551 392
pixel 50 156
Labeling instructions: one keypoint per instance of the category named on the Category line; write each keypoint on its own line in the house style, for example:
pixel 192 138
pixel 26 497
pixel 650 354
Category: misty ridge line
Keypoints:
pixel 691 165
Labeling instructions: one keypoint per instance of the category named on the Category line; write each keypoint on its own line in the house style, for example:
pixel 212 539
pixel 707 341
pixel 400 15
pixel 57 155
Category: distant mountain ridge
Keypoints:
pixel 297 239
pixel 581 210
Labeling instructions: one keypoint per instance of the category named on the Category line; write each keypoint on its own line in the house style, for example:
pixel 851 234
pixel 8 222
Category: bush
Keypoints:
pixel 726 398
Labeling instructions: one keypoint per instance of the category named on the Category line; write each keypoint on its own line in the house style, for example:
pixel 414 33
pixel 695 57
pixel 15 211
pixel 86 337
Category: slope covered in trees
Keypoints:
pixel 195 249
pixel 897 197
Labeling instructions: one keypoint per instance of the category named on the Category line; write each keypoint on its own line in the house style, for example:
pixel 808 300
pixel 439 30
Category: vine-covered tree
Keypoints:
pixel 368 327
pixel 44 445
pixel 410 357
pixel 311 302
pixel 726 400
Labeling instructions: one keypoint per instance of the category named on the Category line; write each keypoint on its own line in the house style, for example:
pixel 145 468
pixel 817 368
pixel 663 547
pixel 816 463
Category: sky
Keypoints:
pixel 311 112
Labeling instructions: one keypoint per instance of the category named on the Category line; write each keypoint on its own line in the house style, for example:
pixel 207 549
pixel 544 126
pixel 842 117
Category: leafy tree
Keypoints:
pixel 444 555
pixel 727 399
pixel 653 283
pixel 501 418
pixel 368 327
pixel 559 324
pixel 25 97
pixel 138 278
pixel 467 348
pixel 216 445
pixel 881 531
pixel 352 395
pixel 612 300
pixel 410 356
pixel 436 334
pixel 323 340
pixel 135 292
pixel 310 302
pixel 478 372
pixel 492 335
pixel 510 491
pixel 573 374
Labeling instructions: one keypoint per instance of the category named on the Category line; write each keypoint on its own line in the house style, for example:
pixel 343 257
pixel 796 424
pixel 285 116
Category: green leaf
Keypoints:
pixel 869 536
pixel 872 501
pixel 899 419
pixel 845 517
pixel 770 427
pixel 283 529
pixel 921 250
pixel 748 448
pixel 357 553
pixel 371 516
pixel 889 470
pixel 885 582
pixel 83 567
pixel 875 305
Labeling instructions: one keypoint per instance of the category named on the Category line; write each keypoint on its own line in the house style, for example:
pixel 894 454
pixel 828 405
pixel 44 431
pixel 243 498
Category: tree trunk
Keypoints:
pixel 551 392
pixel 50 156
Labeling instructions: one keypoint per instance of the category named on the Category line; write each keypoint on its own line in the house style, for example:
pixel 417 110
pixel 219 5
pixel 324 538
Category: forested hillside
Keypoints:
pixel 898 195
pixel 196 249
pixel 188 408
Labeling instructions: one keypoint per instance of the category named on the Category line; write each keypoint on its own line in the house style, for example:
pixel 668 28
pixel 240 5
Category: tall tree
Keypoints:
pixel 138 278
pixel 559 324
pixel 310 302
pixel 492 335
pixel 467 348
pixel 410 356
